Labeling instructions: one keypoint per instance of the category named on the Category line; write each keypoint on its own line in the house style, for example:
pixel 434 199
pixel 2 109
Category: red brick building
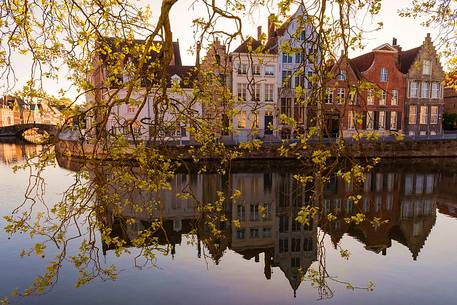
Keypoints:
pixel 450 100
pixel 370 87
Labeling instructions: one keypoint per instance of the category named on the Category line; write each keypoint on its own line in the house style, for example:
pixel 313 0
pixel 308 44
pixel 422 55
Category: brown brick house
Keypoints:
pixel 450 100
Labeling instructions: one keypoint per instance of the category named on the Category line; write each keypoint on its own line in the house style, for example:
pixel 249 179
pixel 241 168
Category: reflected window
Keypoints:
pixel 419 184
pixel 283 224
pixel 295 262
pixel 254 233
pixel 337 206
pixel 429 184
pixel 349 206
pixel 240 234
pixel 241 212
pixel 296 226
pixel 366 205
pixel 408 184
pixel 296 244
pixel 283 245
pixel 266 232
pixel 390 182
pixel 378 182
pixel 308 244
pixel 378 203
pixel 254 212
pixel 389 202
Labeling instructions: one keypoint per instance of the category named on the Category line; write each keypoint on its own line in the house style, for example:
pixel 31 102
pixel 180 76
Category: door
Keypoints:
pixel 268 123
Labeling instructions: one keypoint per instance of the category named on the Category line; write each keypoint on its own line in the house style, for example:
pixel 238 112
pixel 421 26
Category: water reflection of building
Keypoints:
pixel 406 201
pixel 15 152
pixel 265 214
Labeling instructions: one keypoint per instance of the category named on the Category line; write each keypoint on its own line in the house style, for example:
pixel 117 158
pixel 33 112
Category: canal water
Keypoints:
pixel 411 259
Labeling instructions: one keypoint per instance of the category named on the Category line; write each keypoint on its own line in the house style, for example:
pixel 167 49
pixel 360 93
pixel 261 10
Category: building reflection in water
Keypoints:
pixel 266 212
pixel 11 153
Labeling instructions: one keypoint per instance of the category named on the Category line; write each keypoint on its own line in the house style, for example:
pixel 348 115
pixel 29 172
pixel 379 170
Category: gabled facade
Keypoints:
pixel 424 99
pixel 254 84
pixel 292 42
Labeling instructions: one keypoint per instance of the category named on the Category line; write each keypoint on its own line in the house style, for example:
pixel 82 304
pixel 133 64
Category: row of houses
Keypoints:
pixel 15 110
pixel 272 77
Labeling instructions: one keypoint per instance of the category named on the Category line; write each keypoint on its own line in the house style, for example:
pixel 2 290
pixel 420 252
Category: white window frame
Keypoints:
pixel 423 115
pixel 393 120
pixel 370 120
pixel 434 115
pixel 382 120
pixel 394 99
pixel 426 67
pixel 384 75
pixel 414 89
pixel 269 70
pixel 370 97
pixel 435 90
pixel 425 90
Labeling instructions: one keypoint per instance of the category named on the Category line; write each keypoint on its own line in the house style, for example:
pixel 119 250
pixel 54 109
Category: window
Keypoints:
pixel 434 115
pixel 242 68
pixel 370 119
pixel 425 92
pixel 384 74
pixel 370 97
pixel 242 119
pixel 256 92
pixel 435 90
pixel 413 89
pixel 426 67
pixel 393 120
pixel 256 69
pixel 254 212
pixel 382 119
pixel 254 233
pixel 423 115
pixel 269 70
pixel 240 212
pixel 286 106
pixel 383 99
pixel 295 262
pixel 412 115
pixel 266 232
pixel 269 92
pixel 296 244
pixel 286 58
pixel 298 58
pixel 351 120
pixel 255 119
pixel 310 79
pixel 341 92
pixel 131 109
pixel 342 75
pixel 242 90
pixel 352 97
pixel 283 245
pixel 329 96
pixel 240 234
pixel 287 79
pixel 394 100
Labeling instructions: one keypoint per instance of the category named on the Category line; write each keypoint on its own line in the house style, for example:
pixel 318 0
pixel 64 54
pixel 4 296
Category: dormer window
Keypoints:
pixel 176 80
pixel 383 75
pixel 342 75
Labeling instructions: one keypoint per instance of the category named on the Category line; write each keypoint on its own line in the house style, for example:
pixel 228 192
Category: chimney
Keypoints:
pixel 271 25
pixel 394 41
pixel 259 33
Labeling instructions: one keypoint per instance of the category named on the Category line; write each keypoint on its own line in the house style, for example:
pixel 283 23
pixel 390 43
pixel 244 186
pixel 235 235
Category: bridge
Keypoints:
pixel 19 129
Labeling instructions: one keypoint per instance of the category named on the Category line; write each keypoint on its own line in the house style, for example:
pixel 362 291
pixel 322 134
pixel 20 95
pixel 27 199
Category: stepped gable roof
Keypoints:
pixel 249 43
pixel 407 59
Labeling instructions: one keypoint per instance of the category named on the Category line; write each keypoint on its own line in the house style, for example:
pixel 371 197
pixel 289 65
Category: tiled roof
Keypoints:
pixel 407 59
pixel 249 44
pixel 188 74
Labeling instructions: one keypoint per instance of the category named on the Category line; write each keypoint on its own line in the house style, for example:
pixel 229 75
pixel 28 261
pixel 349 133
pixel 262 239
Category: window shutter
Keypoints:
pixel 364 120
pixel 399 120
pixel 387 120
pixel 376 120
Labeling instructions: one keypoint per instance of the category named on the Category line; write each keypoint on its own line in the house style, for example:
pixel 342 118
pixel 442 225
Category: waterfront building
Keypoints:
pixel 179 99
pixel 424 99
pixel 254 84
pixel 294 44
pixel 450 100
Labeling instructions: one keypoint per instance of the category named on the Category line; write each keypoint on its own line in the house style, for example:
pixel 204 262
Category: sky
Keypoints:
pixel 408 32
